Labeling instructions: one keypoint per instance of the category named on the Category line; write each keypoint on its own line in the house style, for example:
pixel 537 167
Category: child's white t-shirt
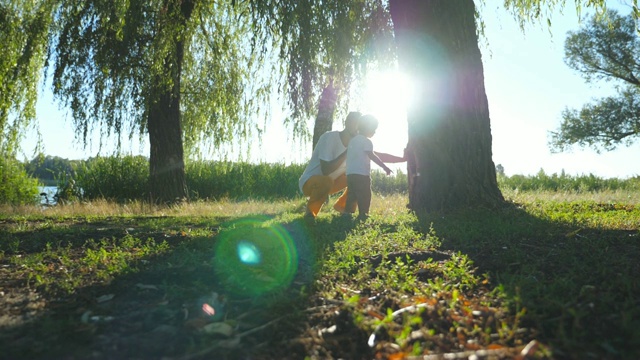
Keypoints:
pixel 328 148
pixel 358 161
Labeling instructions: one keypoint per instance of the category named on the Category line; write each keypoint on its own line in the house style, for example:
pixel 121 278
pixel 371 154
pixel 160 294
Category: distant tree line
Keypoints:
pixel 48 169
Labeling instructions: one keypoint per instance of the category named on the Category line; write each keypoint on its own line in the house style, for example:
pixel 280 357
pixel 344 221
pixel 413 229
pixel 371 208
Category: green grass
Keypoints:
pixel 570 263
pixel 554 271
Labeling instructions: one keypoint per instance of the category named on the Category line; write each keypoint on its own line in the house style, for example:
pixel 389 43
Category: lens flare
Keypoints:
pixel 255 256
pixel 208 309
pixel 248 253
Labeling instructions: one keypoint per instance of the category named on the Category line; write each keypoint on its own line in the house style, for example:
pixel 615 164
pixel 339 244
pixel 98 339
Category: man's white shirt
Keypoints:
pixel 328 148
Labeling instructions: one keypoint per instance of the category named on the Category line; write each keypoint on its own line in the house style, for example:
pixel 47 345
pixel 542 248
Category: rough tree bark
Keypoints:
pixel 167 180
pixel 450 164
pixel 326 109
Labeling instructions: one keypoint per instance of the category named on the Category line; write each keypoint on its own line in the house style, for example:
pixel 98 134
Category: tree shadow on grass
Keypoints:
pixel 155 306
pixel 578 282
pixel 35 236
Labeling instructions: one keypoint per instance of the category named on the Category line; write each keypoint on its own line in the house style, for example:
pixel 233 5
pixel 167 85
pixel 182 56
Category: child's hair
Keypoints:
pixel 368 124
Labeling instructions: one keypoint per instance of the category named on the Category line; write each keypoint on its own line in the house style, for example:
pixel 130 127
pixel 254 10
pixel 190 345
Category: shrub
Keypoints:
pixel 396 183
pixel 67 190
pixel 16 187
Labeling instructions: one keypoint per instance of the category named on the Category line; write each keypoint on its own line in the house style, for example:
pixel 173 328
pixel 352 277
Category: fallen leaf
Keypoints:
pixel 375 314
pixel 104 298
pixel 472 346
pixel 85 317
pixel 146 287
pixel 196 323
pixel 572 234
pixel 218 328
pixel 397 356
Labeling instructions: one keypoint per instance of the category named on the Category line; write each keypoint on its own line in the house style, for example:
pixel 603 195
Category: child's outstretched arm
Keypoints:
pixel 377 160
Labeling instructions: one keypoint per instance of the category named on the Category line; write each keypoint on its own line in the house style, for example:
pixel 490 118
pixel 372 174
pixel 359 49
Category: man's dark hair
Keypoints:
pixel 353 116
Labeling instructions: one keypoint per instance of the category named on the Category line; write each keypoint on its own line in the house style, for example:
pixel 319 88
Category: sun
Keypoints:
pixel 386 95
pixel 387 91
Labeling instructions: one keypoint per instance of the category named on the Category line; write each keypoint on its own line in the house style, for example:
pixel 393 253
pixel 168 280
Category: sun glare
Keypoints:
pixel 386 96
pixel 387 91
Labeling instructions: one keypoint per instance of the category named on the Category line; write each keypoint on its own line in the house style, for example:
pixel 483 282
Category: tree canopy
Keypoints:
pixel 108 53
pixel 24 27
pixel 606 49
pixel 198 71
pixel 104 53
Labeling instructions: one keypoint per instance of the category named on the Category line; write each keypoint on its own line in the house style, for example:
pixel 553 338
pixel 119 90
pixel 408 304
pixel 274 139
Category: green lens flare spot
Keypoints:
pixel 254 256
pixel 248 253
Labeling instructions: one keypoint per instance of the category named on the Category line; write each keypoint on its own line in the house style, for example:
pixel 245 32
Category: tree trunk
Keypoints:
pixel 326 109
pixel 167 180
pixel 166 160
pixel 450 164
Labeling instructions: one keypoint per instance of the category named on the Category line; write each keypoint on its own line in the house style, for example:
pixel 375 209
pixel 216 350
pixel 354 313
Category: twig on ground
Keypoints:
pixel 372 337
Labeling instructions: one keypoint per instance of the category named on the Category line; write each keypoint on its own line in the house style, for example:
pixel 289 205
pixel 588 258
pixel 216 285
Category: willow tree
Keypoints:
pixel 324 48
pixel 436 42
pixel 182 71
pixel 326 110
pixel 188 72
pixel 177 70
pixel 23 35
pixel 450 163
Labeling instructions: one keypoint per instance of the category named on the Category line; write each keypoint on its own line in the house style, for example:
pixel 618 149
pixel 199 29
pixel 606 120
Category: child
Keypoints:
pixel 359 156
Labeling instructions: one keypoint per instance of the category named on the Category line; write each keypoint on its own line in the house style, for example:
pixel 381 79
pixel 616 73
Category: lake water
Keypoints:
pixel 50 191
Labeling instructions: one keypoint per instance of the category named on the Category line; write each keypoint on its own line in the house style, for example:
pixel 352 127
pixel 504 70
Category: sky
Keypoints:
pixel 527 84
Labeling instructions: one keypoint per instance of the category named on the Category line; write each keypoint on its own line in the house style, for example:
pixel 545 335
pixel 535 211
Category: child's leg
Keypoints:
pixel 364 196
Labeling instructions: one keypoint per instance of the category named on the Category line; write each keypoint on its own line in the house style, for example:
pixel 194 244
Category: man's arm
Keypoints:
pixel 377 160
pixel 388 158
pixel 330 166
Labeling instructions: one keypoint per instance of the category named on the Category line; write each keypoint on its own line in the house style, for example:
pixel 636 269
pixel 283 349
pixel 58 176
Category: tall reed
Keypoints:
pixel 241 180
pixel 117 178
pixel 126 178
